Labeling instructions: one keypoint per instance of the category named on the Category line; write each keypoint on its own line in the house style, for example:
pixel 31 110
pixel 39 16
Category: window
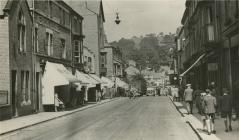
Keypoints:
pixel 209 15
pixel 78 50
pixel 27 86
pixel 49 43
pixel 50 9
pixel 21 32
pixel 36 40
pixel 227 14
pixel 237 9
pixel 63 45
pixel 63 17
pixel 23 86
pixel 77 46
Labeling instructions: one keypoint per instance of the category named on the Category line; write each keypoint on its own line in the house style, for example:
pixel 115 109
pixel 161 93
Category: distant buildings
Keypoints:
pixel 111 61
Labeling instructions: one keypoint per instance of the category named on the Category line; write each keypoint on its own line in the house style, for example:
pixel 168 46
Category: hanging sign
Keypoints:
pixel 212 66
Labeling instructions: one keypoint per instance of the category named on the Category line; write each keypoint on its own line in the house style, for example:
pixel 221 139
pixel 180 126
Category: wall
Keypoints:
pixel 5 67
pixel 109 65
pixel 21 61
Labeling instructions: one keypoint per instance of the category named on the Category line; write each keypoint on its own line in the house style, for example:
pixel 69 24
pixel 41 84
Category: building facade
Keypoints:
pixel 57 38
pixel 202 43
pixel 93 14
pixel 16 96
pixel 229 17
pixel 111 61
pixel 211 34
pixel 88 60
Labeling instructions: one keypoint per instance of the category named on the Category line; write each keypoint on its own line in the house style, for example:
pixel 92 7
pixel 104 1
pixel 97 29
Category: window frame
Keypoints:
pixel 22 32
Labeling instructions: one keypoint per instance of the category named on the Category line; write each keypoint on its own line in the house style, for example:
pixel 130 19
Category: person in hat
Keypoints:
pixel 188 95
pixel 209 104
pixel 226 109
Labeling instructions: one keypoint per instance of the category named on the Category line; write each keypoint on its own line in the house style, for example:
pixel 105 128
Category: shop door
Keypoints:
pixel 14 93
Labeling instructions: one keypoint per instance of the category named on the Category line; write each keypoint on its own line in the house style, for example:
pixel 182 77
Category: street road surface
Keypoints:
pixel 144 118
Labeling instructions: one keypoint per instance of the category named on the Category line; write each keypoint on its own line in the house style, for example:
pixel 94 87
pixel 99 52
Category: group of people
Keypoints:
pixel 210 103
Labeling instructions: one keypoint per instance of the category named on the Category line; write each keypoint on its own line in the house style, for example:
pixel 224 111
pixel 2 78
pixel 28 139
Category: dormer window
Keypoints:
pixel 21 32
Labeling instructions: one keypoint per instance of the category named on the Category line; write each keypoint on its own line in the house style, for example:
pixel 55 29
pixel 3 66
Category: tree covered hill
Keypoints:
pixel 150 50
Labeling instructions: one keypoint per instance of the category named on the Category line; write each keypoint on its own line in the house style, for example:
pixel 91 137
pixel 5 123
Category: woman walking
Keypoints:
pixel 210 104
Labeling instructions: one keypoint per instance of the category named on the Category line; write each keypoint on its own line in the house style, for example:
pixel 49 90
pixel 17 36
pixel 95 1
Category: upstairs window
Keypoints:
pixel 49 38
pixel 21 32
pixel 63 46
pixel 36 40
pixel 209 15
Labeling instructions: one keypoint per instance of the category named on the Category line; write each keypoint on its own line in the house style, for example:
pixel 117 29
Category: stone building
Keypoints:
pixel 57 39
pixel 202 43
pixel 16 80
pixel 229 17
pixel 88 60
pixel 211 34
pixel 93 14
pixel 111 61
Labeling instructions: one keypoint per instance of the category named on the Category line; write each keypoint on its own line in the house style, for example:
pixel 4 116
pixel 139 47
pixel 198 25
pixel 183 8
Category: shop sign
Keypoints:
pixel 3 97
pixel 212 66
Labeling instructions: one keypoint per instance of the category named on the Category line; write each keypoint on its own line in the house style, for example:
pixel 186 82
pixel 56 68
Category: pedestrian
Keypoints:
pixel 209 105
pixel 226 109
pixel 174 91
pixel 56 102
pixel 181 90
pixel 202 111
pixel 216 94
pixel 188 95
pixel 197 98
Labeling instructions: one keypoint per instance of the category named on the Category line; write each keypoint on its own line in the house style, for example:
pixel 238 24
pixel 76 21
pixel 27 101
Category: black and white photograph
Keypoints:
pixel 119 69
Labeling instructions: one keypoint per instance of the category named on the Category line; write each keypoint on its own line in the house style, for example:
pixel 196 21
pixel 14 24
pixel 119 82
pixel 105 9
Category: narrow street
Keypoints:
pixel 144 118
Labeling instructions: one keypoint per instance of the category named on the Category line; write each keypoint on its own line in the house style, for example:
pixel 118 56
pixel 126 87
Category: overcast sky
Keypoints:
pixel 140 17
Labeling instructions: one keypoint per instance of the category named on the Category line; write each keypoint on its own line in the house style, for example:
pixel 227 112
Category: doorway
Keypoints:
pixel 14 93
pixel 37 91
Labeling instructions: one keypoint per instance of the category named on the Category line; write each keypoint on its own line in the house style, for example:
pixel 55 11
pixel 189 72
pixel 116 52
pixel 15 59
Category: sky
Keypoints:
pixel 140 17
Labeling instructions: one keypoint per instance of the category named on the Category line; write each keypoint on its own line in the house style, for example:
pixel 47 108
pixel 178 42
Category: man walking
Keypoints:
pixel 226 109
pixel 188 94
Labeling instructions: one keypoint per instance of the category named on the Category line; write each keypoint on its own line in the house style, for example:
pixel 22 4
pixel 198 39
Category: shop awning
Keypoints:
pixel 97 78
pixel 121 83
pixel 82 77
pixel 185 72
pixel 107 82
pixel 54 75
pixel 91 80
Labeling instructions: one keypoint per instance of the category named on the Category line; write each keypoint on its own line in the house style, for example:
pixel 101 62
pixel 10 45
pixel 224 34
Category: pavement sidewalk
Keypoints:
pixel 19 123
pixel 194 121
